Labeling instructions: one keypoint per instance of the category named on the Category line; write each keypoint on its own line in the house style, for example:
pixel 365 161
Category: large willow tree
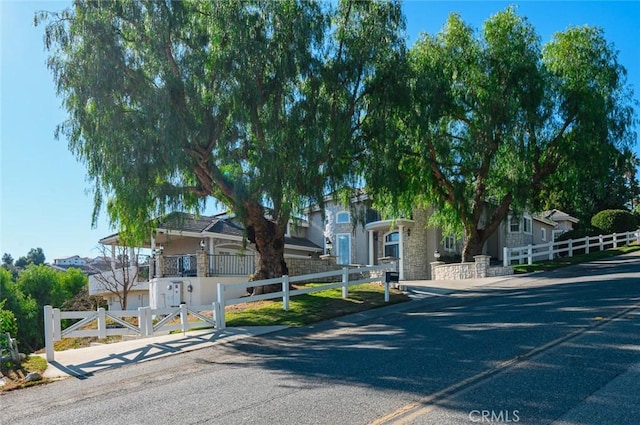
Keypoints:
pixel 485 118
pixel 254 103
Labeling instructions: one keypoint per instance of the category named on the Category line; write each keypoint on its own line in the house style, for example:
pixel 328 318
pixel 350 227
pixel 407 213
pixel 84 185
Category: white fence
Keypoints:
pixel 145 327
pixel 53 317
pixel 549 251
pixel 286 293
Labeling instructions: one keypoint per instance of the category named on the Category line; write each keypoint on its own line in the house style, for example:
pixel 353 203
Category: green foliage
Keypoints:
pixel 24 309
pixel 483 120
pixel 37 286
pixel 8 322
pixel 579 233
pixel 614 221
pixel 254 103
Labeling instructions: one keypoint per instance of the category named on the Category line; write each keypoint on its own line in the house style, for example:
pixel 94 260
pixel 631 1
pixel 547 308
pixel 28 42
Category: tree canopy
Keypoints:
pixel 253 103
pixel 480 121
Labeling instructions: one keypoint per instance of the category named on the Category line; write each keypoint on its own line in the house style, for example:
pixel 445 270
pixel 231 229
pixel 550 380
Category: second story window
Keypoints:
pixel 343 217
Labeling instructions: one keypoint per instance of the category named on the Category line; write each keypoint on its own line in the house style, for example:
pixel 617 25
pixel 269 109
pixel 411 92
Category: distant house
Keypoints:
pixel 73 261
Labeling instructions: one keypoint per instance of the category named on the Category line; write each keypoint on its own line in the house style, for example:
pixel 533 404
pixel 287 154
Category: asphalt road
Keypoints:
pixel 560 347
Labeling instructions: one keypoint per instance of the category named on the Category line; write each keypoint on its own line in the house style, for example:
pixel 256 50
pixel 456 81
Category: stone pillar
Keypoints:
pixel 434 275
pixel 160 264
pixel 202 263
pixel 482 264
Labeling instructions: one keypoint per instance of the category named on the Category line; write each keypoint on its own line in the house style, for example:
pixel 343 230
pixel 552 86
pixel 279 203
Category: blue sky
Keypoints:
pixel 45 198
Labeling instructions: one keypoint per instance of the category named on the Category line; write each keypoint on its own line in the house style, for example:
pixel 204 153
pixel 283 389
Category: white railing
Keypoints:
pixel 286 293
pixel 549 251
pixel 53 323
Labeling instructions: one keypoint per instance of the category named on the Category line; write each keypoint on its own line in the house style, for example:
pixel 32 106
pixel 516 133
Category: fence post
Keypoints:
pixel 57 325
pixel 142 321
pixel 570 247
pixel 285 292
pixel 345 282
pixel 530 254
pixel 220 307
pixel 148 319
pixel 386 287
pixel 48 333
pixel 505 256
pixel 551 249
pixel 184 318
pixel 102 323
pixel 615 240
pixel 586 244
pixel 601 242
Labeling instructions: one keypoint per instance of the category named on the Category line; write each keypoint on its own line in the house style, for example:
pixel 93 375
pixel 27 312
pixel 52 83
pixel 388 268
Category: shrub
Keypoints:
pixel 579 233
pixel 8 322
pixel 614 221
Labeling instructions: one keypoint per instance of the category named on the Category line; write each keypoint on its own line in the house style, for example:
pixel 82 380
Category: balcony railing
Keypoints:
pixel 183 265
pixel 179 265
pixel 231 265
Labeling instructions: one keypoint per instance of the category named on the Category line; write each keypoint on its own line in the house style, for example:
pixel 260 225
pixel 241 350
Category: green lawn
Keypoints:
pixel 311 308
pixel 576 259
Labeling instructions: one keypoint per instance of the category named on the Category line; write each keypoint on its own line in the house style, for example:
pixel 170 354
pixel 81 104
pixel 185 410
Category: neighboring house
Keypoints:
pixel 563 220
pixel 191 254
pixel 74 260
pixel 411 243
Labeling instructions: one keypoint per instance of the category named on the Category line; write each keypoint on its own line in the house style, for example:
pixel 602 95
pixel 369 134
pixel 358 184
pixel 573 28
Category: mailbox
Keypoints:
pixel 392 277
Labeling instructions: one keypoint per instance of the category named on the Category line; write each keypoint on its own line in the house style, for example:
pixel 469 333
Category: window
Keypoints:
pixel 527 225
pixel 344 248
pixel 514 225
pixel 343 217
pixel 449 243
pixel 391 245
pixel 543 234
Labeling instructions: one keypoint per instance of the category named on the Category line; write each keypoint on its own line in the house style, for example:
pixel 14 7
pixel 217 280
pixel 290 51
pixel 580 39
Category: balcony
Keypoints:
pixel 201 264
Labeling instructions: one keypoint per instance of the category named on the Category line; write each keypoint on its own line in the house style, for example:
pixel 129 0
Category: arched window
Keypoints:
pixel 392 245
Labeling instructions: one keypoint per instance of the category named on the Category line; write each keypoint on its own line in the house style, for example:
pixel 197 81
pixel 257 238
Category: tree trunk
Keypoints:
pixel 269 240
pixel 473 245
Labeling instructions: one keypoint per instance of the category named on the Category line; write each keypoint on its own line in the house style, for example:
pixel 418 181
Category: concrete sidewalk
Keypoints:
pixel 85 361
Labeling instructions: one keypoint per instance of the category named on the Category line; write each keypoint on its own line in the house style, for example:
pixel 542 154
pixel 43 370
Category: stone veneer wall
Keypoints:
pixel 416 249
pixel 479 269
pixel 301 266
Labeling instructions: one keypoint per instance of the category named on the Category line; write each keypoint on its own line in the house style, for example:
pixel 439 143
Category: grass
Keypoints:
pixel 14 376
pixel 310 308
pixel 576 259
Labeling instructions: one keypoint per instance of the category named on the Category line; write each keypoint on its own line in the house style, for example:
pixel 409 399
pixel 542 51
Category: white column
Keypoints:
pixel 401 252
pixel 113 257
pixel 371 247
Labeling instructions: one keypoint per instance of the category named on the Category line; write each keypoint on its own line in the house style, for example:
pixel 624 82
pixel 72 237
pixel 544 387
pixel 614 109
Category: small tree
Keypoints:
pixel 118 273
